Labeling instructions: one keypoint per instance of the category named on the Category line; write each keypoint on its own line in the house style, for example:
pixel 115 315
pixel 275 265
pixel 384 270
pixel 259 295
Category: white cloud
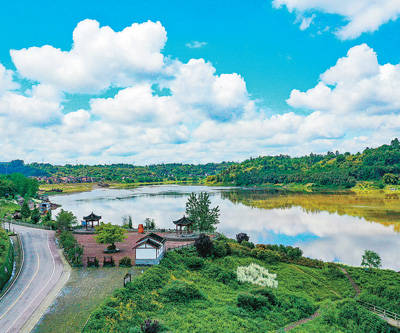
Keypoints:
pixel 99 58
pixel 306 21
pixel 40 105
pixel 6 80
pixel 356 84
pixel 195 44
pixel 361 15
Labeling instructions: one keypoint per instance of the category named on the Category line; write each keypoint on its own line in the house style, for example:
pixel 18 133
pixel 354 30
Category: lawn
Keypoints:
pixel 84 291
pixel 67 188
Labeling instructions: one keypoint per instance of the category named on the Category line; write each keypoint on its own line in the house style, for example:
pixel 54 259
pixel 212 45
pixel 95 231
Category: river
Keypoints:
pixel 330 227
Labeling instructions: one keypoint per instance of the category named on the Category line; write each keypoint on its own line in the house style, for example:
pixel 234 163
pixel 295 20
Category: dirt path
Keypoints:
pixel 302 321
pixel 355 286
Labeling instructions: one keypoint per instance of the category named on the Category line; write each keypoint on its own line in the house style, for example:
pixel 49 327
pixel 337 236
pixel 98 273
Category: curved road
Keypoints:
pixel 40 273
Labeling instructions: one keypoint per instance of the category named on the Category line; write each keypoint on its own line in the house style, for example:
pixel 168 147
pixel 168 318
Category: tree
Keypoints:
pixel 149 223
pixel 389 178
pixel 25 211
pixel 371 259
pixel 198 210
pixel 109 234
pixel 240 237
pixel 204 245
pixel 35 216
pixel 65 220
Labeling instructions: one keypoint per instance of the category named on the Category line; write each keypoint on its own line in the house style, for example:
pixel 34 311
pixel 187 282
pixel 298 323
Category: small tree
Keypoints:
pixel 204 245
pixel 35 216
pixel 25 211
pixel 240 237
pixel 371 259
pixel 150 326
pixel 109 234
pixel 390 178
pixel 65 220
pixel 149 223
pixel 130 224
pixel 198 210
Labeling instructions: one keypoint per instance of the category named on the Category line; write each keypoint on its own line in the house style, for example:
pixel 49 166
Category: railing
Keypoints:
pixel 180 247
pixel 31 225
pixel 380 311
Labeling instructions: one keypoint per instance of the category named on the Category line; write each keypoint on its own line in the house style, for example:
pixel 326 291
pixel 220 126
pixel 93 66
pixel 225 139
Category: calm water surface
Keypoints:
pixel 327 227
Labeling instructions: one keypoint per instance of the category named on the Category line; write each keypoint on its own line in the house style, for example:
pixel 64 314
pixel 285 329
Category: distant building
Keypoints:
pixel 149 250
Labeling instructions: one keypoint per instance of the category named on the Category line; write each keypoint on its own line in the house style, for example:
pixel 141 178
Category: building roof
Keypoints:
pixel 92 217
pixel 183 221
pixel 151 238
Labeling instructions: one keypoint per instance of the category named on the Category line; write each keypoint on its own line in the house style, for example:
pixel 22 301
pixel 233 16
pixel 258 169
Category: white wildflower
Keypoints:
pixel 258 275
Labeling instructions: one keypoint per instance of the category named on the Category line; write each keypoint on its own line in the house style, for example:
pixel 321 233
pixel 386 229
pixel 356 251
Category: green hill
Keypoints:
pixel 330 169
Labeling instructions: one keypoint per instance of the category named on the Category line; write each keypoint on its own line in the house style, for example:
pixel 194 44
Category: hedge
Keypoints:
pixel 6 258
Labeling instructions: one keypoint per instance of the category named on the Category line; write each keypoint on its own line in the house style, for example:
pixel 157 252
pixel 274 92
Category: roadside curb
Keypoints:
pixel 51 297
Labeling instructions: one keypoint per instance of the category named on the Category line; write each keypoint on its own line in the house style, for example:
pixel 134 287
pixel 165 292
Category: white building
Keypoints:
pixel 149 250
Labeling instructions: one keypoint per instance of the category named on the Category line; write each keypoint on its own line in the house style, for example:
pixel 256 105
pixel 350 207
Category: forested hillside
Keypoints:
pixel 130 173
pixel 381 165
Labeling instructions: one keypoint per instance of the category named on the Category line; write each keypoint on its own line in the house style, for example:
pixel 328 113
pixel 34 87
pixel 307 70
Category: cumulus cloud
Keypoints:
pixel 195 44
pixel 6 80
pixel 361 15
pixel 356 84
pixel 99 58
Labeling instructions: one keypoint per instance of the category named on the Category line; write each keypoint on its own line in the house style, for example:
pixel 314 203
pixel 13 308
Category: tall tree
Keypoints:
pixel 198 210
pixel 35 216
pixel 65 220
pixel 25 211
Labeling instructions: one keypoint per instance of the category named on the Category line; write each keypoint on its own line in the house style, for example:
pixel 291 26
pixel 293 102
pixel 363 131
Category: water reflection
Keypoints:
pixel 326 226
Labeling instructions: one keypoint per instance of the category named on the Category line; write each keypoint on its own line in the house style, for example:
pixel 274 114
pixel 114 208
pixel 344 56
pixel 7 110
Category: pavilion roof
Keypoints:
pixel 92 217
pixel 150 238
pixel 183 221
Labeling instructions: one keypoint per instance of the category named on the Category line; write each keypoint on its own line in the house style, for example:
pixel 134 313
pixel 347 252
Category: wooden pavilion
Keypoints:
pixel 92 218
pixel 183 222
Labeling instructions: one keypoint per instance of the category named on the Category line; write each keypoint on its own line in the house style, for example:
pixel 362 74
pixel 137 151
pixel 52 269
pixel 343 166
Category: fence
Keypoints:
pixel 31 225
pixel 380 311
pixel 180 247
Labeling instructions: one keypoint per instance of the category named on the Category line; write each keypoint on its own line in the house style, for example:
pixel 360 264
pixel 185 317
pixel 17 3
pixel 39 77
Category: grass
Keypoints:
pixel 218 311
pixel 7 207
pixel 84 291
pixel 67 188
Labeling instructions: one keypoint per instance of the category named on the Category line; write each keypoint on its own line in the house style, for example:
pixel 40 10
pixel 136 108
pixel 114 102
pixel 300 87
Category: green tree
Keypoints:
pixel 109 234
pixel 149 223
pixel 65 220
pixel 371 259
pixel 35 216
pixel 390 178
pixel 25 211
pixel 198 210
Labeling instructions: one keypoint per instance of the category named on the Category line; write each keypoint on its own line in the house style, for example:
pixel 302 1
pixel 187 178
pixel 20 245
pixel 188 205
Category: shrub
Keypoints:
pixel 194 263
pixel 269 294
pixel 250 245
pixel 72 250
pixel 204 245
pixel 181 291
pixel 268 256
pixel 150 326
pixel 256 274
pixel 240 237
pixel 251 302
pixel 125 262
pixel 220 249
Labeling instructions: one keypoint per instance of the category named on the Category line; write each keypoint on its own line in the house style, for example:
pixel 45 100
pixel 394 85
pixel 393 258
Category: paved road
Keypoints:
pixel 39 275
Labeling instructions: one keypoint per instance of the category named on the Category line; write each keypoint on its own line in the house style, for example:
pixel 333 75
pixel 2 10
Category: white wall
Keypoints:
pixel 149 253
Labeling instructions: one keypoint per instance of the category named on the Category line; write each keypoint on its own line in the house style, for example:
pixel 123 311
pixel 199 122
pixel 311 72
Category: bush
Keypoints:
pixel 269 294
pixel 125 262
pixel 268 256
pixel 252 302
pixel 250 245
pixel 194 263
pixel 240 237
pixel 72 250
pixel 221 249
pixel 181 291
pixel 150 326
pixel 204 245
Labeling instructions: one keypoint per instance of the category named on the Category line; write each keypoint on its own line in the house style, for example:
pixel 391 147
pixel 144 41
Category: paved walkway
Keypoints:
pixel 40 275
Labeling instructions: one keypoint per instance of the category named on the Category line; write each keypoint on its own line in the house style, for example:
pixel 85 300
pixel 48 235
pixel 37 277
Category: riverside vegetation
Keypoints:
pixel 379 166
pixel 189 292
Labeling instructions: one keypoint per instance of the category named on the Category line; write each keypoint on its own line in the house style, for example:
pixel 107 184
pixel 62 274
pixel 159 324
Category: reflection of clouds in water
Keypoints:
pixel 321 235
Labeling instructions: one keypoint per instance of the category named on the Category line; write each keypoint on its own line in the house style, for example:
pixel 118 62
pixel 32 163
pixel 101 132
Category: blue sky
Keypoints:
pixel 271 57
